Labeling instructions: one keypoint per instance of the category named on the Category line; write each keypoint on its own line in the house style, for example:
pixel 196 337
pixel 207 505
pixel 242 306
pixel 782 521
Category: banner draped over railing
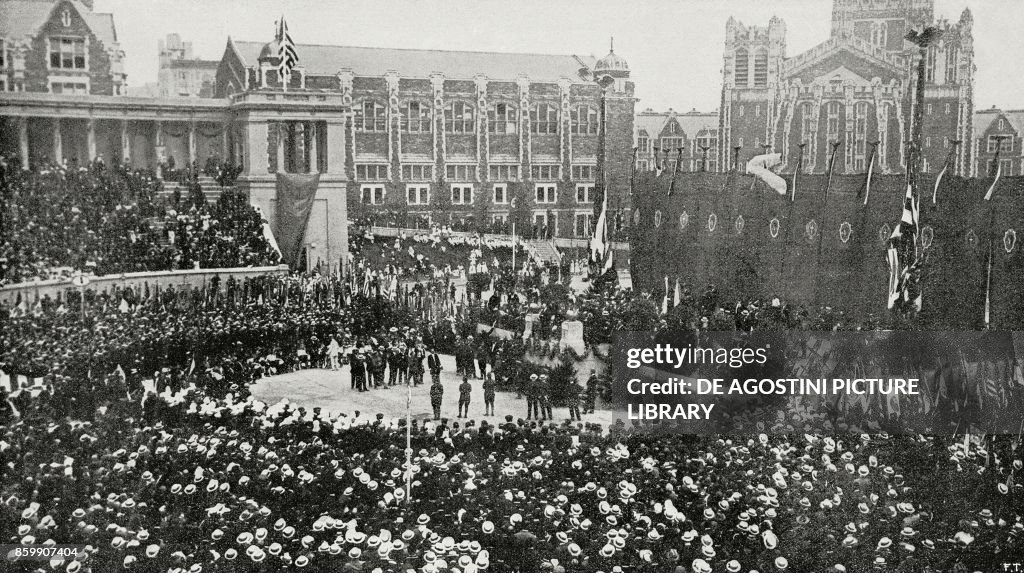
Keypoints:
pixel 295 195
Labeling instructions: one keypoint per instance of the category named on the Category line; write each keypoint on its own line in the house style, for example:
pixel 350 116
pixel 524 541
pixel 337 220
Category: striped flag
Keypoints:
pixel 664 301
pixel 286 52
pixel 678 296
pixel 601 252
pixel 904 266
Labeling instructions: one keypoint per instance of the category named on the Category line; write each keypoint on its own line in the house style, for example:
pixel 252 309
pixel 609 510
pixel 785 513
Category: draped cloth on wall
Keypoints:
pixel 295 195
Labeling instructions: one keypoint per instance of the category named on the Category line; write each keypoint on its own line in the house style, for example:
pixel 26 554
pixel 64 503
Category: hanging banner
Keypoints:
pixel 295 195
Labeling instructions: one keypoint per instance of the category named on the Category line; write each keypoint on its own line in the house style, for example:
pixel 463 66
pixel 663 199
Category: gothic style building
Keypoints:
pixel 664 139
pixel 856 88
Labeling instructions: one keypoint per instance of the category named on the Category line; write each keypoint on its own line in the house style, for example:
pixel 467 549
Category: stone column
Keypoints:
pixel 191 142
pixel 314 153
pixel 225 150
pixel 58 142
pixel 282 134
pixel 157 144
pixel 91 138
pixel 126 143
pixel 23 141
pixel 336 146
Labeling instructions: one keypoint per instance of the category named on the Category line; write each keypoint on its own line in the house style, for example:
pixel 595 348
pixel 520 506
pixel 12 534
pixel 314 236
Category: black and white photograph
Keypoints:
pixel 483 286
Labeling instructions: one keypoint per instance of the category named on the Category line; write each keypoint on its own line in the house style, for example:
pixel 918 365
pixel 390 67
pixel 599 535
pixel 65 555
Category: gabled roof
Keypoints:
pixel 323 60
pixel 20 18
pixel 691 122
pixel 983 119
pixel 849 44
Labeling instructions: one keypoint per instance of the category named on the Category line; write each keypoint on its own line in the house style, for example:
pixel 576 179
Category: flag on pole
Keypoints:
pixel 871 171
pixel 286 52
pixel 600 249
pixel 796 173
pixel 988 288
pixel 945 168
pixel 678 295
pixel 664 302
pixel 999 173
pixel 904 276
pixel 761 165
pixel 832 165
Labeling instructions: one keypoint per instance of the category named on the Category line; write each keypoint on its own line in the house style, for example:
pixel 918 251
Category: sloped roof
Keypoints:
pixel 20 18
pixel 691 122
pixel 983 119
pixel 850 44
pixel 375 62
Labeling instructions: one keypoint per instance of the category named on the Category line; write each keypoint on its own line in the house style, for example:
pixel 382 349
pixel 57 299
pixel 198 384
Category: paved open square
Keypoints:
pixel 332 391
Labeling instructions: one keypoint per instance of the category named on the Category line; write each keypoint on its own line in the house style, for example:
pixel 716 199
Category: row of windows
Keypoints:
pixel 460 117
pixel 468 172
pixel 705 139
pixel 583 223
pixel 462 194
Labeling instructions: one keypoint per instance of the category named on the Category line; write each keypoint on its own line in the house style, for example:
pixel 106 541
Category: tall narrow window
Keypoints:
pixel 741 68
pixel 860 130
pixel 929 64
pixel 952 55
pixel 760 68
pixel 832 129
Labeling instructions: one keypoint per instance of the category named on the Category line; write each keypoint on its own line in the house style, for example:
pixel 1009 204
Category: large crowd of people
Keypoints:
pixel 60 219
pixel 130 429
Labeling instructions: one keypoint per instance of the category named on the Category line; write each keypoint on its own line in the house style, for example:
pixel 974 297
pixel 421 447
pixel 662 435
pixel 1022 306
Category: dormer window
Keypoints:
pixel 68 54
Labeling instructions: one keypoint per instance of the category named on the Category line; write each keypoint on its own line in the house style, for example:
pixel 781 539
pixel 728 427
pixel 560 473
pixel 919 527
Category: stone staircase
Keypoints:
pixel 546 251
pixel 211 190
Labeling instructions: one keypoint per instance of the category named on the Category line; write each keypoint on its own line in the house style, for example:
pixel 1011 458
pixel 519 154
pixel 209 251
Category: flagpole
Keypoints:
pixel 408 442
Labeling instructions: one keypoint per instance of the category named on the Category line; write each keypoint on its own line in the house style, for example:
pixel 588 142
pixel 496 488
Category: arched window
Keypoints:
pixel 417 117
pixel 502 118
pixel 584 120
pixel 760 68
pixel 741 67
pixel 544 119
pixel 370 116
pixel 458 118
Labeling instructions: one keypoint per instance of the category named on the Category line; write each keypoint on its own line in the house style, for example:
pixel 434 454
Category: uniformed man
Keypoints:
pixel 573 400
pixel 415 359
pixel 465 391
pixel 489 394
pixel 436 394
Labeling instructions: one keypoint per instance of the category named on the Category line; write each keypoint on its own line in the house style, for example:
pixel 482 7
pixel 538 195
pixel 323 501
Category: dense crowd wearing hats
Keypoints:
pixel 202 477
pixel 100 219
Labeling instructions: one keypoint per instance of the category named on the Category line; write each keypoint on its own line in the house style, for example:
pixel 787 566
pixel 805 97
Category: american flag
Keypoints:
pixel 904 265
pixel 286 50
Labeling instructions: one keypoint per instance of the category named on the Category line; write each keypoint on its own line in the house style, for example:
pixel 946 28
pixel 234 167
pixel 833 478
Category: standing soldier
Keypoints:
pixel 436 394
pixel 416 356
pixel 379 364
pixel 465 390
pixel 592 383
pixel 531 398
pixel 434 365
pixel 403 363
pixel 489 394
pixel 545 398
pixel 392 364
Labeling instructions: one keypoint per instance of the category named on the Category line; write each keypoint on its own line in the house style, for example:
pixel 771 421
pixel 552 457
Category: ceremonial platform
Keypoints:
pixel 332 391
